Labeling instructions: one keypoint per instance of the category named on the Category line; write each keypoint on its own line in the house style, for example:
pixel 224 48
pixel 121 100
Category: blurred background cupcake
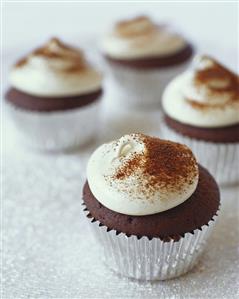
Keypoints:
pixel 201 109
pixel 142 56
pixel 150 205
pixel 54 97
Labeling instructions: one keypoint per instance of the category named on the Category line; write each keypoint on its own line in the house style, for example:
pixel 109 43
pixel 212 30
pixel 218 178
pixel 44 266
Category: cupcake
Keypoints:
pixel 150 205
pixel 54 97
pixel 201 109
pixel 142 57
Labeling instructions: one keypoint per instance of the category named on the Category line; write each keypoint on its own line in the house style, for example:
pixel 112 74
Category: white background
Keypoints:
pixel 212 23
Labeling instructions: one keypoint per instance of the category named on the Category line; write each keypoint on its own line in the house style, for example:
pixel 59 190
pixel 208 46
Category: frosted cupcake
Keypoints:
pixel 142 57
pixel 54 97
pixel 202 110
pixel 150 205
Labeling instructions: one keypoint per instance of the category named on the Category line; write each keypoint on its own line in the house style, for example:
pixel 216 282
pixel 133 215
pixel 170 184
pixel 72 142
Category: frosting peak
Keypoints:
pixel 55 69
pixel 58 56
pixel 140 37
pixel 212 84
pixel 205 96
pixel 142 175
pixel 135 27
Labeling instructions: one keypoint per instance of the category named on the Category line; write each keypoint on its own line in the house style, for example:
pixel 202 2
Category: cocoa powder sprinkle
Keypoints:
pixel 164 165
pixel 218 72
pixel 55 49
pixel 208 76
pixel 135 27
pixel 129 166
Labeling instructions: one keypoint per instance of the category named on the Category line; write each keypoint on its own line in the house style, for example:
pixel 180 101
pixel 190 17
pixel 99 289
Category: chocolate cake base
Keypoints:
pixel 228 134
pixel 48 104
pixel 155 62
pixel 195 212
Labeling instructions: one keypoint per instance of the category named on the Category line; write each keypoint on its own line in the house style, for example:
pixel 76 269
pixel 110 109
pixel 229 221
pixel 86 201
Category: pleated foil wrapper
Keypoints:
pixel 150 259
pixel 58 130
pixel 141 88
pixel 220 159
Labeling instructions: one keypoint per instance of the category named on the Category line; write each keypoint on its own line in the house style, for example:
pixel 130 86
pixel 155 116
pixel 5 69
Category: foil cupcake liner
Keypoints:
pixel 150 259
pixel 141 88
pixel 221 159
pixel 58 130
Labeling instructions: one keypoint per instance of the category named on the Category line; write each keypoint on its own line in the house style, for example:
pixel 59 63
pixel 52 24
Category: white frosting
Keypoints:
pixel 215 107
pixel 141 38
pixel 56 71
pixel 134 194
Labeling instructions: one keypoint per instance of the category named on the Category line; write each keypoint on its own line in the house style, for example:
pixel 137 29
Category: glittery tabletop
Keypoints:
pixel 48 251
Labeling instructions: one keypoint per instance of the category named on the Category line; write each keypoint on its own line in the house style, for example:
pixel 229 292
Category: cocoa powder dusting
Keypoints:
pixel 203 106
pixel 218 72
pixel 21 62
pixel 164 164
pixel 130 166
pixel 130 28
pixel 218 80
pixel 55 49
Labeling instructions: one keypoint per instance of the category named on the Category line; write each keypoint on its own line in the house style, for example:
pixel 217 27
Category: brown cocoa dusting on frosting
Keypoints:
pixel 217 72
pixel 130 166
pixel 135 27
pixel 164 164
pixel 205 106
pixel 168 162
pixel 55 49
pixel 218 80
pixel 21 62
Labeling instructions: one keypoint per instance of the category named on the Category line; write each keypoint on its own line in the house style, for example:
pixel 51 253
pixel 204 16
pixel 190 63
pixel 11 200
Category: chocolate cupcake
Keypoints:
pixel 201 109
pixel 150 205
pixel 142 57
pixel 54 97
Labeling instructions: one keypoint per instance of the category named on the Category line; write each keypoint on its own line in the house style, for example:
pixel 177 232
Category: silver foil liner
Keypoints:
pixel 58 130
pixel 221 159
pixel 141 88
pixel 153 259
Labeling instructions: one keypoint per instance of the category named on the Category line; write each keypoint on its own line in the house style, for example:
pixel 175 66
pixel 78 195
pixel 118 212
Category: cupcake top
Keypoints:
pixel 205 96
pixel 55 70
pixel 142 175
pixel 141 38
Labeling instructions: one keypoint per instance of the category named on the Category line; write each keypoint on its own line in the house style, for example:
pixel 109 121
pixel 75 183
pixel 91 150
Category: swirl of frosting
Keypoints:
pixel 205 96
pixel 142 175
pixel 141 38
pixel 55 70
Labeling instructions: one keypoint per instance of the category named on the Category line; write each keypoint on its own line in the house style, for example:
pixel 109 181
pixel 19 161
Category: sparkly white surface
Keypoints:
pixel 48 251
